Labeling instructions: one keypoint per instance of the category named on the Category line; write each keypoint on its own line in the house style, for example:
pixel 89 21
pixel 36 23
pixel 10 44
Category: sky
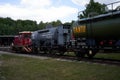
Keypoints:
pixel 44 10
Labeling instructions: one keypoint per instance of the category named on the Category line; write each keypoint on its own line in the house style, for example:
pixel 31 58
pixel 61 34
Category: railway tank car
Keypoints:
pixel 96 33
pixel 103 26
pixel 51 40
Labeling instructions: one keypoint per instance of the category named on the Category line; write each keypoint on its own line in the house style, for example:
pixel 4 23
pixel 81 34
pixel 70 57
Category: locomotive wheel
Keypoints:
pixel 47 52
pixel 79 55
pixel 91 53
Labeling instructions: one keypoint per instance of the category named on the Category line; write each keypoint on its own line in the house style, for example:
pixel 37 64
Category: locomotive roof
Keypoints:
pixel 102 16
pixel 25 32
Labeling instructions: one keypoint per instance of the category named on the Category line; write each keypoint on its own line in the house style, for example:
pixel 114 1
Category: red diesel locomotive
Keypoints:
pixel 22 42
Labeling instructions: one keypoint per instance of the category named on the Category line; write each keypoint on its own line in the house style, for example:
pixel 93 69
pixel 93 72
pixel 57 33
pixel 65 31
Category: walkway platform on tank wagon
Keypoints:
pixel 109 15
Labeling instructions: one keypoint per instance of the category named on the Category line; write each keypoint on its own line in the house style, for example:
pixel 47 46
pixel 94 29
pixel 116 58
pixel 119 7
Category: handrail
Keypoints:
pixel 112 4
pixel 109 10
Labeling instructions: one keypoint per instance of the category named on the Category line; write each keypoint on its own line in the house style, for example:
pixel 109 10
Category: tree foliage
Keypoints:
pixel 93 8
pixel 12 27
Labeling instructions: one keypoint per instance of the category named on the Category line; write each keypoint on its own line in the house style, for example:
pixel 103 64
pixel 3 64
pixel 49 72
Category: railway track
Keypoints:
pixel 103 61
pixel 66 57
pixel 86 59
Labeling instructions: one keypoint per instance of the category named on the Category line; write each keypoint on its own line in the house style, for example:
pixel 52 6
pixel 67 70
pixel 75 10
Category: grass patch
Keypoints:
pixel 102 55
pixel 23 68
pixel 108 55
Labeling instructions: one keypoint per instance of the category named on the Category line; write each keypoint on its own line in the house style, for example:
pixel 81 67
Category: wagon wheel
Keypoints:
pixel 48 51
pixel 79 55
pixel 53 52
pixel 12 48
pixel 45 52
pixel 91 53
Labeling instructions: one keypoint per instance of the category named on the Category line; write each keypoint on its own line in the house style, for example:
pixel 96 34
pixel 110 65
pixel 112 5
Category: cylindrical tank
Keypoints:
pixel 47 34
pixel 102 26
pixel 43 37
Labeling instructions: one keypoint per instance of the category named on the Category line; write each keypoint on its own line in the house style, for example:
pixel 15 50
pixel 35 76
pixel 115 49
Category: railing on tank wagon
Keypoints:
pixel 111 7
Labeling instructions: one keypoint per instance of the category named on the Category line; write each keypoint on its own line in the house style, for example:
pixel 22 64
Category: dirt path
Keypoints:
pixel 23 55
pixel 36 56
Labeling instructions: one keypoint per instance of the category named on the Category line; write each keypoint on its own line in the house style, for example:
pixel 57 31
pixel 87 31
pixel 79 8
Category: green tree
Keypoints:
pixel 9 26
pixel 93 8
pixel 41 25
pixel 56 23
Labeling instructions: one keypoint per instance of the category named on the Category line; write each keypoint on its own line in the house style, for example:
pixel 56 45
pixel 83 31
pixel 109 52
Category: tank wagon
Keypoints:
pixel 96 33
pixel 51 40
